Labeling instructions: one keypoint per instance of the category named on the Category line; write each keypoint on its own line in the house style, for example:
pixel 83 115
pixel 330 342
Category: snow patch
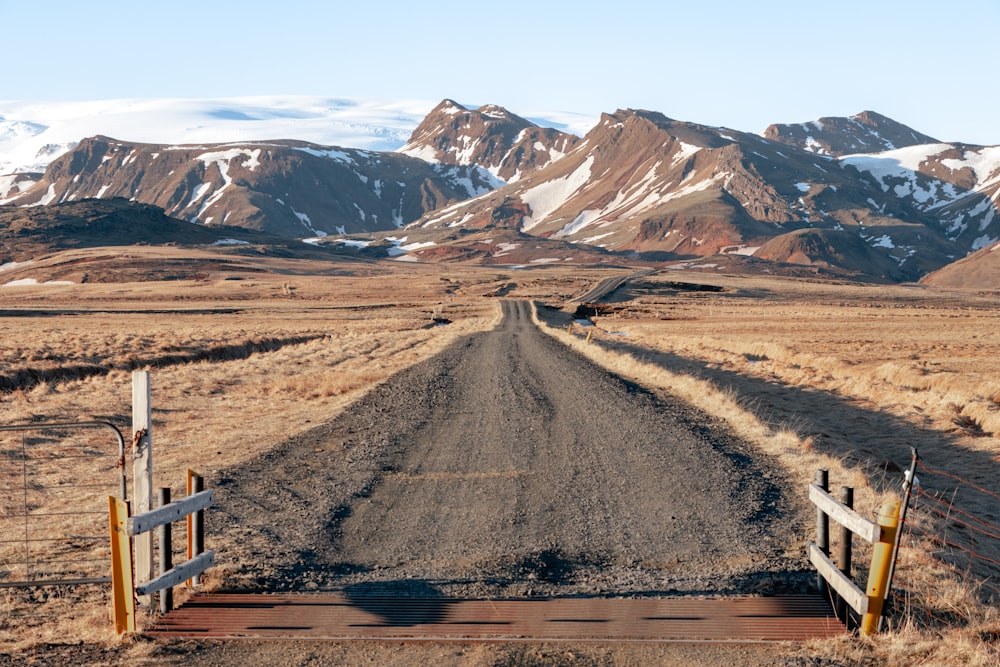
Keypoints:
pixel 546 197
pixel 307 223
pixel 329 154
pixel 983 241
pixel 884 242
pixel 31 281
pixel 351 243
pixel 13 265
pixel 400 247
pixel 745 250
pixel 505 249
pixel 219 157
pixel 591 240
pixel 684 152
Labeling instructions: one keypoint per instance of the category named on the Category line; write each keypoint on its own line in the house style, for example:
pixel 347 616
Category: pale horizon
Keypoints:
pixel 723 64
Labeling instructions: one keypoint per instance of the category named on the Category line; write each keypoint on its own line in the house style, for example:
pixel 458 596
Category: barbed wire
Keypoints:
pixel 969 539
pixel 934 471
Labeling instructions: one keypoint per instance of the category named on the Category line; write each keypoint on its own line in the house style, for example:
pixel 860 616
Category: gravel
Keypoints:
pixel 508 466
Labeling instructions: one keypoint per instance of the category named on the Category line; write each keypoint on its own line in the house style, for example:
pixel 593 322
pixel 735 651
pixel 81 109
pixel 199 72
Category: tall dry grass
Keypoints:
pixel 845 378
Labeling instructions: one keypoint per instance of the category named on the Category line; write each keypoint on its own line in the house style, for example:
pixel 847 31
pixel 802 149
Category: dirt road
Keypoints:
pixel 507 466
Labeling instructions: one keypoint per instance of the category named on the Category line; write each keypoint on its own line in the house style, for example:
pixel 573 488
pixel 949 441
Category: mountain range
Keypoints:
pixel 863 196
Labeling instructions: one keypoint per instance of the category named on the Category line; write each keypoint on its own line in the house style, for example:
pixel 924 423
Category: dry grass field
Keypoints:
pixel 847 378
pixel 839 376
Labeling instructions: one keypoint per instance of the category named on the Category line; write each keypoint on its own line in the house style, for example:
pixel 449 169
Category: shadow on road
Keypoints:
pixel 400 604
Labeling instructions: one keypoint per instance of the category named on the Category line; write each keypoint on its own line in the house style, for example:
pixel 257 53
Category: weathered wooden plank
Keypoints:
pixel 175 511
pixel 864 528
pixel 178 574
pixel 142 470
pixel 838 581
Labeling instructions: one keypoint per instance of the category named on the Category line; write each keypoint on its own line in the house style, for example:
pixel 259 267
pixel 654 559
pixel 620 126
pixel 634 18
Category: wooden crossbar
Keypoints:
pixel 838 581
pixel 175 511
pixel 864 528
pixel 178 574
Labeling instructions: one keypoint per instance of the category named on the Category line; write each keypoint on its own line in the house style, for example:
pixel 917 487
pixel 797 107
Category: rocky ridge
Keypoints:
pixel 864 195
pixel 290 188
pixel 490 137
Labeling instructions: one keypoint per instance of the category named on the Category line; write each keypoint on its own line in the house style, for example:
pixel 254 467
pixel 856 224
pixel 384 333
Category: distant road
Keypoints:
pixel 607 286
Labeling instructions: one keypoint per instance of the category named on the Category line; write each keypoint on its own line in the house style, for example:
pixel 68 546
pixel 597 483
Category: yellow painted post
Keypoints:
pixel 878 575
pixel 589 334
pixel 122 588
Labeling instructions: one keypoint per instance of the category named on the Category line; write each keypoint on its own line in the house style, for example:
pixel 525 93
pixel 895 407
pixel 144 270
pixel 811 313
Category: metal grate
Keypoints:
pixel 334 616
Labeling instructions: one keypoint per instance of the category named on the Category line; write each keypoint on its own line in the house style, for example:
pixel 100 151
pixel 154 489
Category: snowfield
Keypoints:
pixel 33 134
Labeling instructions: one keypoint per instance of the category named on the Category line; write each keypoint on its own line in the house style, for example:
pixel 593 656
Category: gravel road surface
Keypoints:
pixel 507 465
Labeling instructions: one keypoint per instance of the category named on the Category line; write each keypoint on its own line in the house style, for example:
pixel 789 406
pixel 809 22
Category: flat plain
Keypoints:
pixel 815 374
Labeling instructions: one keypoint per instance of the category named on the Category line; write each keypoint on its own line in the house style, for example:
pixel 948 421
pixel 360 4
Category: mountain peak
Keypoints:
pixel 865 132
pixel 872 118
pixel 491 137
pixel 448 106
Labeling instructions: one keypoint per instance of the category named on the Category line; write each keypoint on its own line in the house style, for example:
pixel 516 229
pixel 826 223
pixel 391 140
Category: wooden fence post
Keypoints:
pixel 846 548
pixel 166 555
pixel 195 524
pixel 142 472
pixel 822 527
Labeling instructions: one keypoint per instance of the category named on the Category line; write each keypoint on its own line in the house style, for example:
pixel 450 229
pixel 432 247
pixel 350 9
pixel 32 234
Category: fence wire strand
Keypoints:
pixel 968 542
pixel 53 490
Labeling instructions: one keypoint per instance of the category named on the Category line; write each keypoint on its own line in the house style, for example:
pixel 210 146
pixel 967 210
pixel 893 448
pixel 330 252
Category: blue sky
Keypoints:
pixel 743 65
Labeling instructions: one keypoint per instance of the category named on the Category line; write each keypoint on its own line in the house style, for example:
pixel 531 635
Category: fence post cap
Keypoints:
pixel 888 514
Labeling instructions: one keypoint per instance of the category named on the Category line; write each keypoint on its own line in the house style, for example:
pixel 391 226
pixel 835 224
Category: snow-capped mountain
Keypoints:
pixel 642 182
pixel 291 188
pixel 864 194
pixel 956 185
pixel 491 137
pixel 32 134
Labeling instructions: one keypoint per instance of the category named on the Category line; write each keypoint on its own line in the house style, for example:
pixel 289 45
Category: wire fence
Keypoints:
pixel 956 521
pixel 54 483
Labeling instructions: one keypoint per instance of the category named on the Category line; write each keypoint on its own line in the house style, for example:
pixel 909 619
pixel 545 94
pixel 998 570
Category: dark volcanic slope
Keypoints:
pixel 867 132
pixel 507 465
